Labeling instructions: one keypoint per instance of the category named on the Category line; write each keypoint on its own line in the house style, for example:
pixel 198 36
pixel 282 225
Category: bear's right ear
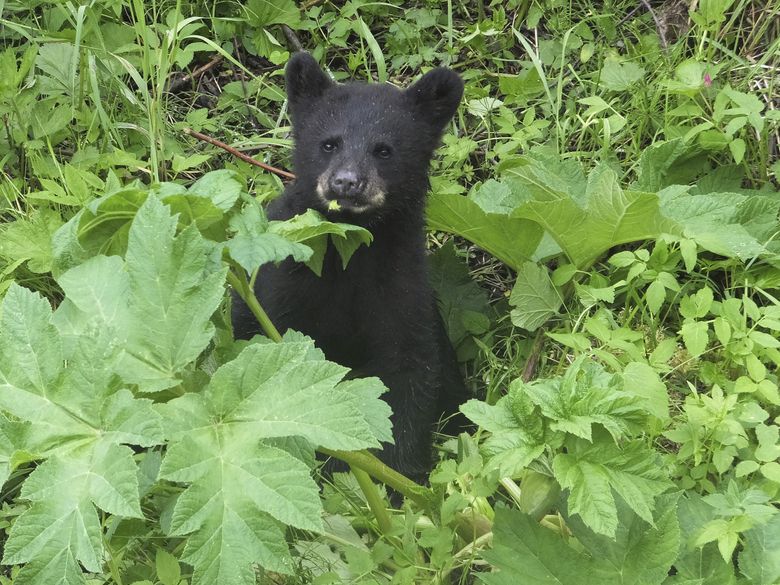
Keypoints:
pixel 305 80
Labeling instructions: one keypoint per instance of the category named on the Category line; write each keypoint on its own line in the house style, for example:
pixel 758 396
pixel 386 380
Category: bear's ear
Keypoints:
pixel 437 95
pixel 305 80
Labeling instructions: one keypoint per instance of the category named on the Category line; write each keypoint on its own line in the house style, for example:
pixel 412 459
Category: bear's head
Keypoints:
pixel 362 150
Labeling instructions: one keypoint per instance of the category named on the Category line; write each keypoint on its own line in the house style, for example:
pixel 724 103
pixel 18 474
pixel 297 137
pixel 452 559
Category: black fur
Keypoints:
pixel 368 147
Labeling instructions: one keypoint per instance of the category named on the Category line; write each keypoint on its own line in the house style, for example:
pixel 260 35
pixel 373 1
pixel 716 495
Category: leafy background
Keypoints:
pixel 603 228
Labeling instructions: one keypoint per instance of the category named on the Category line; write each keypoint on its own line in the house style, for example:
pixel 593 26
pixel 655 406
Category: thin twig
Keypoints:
pixel 658 26
pixel 529 371
pixel 292 38
pixel 177 84
pixel 239 154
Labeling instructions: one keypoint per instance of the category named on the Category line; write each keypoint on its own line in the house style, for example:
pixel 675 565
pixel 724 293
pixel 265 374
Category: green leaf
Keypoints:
pixel 167 567
pixel 585 396
pixel 103 226
pixel 312 229
pixel 759 560
pixel 617 76
pixel 694 334
pixel 534 298
pixel 222 187
pixel 591 472
pixel 517 433
pixel 643 381
pixel 253 246
pixel 714 221
pixel 13 438
pixel 524 552
pixel 511 240
pixel 176 283
pixel 262 13
pixel 702 565
pixel 463 304
pixel 30 239
pixel 605 217
pixel 737 148
pixel 78 418
pixel 241 489
pixel 713 11
pixel 655 296
pixel 640 554
pixel 656 162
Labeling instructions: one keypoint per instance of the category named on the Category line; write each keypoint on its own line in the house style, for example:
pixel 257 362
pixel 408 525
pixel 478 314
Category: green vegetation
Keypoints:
pixel 604 220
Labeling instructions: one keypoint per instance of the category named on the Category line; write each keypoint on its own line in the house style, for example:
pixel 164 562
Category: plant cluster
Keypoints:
pixel 605 222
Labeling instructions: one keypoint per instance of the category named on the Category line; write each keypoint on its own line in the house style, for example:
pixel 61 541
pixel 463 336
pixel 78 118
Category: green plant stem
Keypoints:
pixel 375 502
pixel 241 286
pixel 365 461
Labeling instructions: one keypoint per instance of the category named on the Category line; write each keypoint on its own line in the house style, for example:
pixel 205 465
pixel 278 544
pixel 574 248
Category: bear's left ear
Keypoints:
pixel 305 80
pixel 437 95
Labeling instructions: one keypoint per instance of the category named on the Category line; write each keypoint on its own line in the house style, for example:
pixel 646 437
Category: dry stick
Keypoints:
pixel 529 371
pixel 177 84
pixel 659 27
pixel 239 154
pixel 292 38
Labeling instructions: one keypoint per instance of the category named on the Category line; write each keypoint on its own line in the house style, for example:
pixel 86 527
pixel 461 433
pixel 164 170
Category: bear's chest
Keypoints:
pixel 347 311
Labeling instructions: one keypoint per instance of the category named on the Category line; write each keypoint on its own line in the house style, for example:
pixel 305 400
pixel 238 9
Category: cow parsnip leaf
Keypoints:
pixel 252 245
pixel 245 482
pixel 591 471
pixel 57 565
pixel 222 187
pixel 517 432
pixel 527 554
pixel 640 554
pixel 313 230
pixel 607 215
pixel 77 415
pixel 14 436
pixel 157 303
pixel 534 297
pixel 176 284
pixel 759 561
pixel 511 240
pixel 586 395
pixel 698 564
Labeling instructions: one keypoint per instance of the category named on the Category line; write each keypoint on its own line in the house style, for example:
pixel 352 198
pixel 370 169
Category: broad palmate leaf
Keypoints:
pixel 525 553
pixel 244 485
pixel 158 303
pixel 75 415
pixel 605 217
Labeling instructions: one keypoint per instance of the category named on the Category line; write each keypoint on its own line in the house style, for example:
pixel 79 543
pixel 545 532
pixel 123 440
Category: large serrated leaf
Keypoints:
pixel 511 240
pixel 759 561
pixel 241 488
pixel 640 554
pixel 607 216
pixel 591 472
pixel 526 554
pixel 534 297
pixel 176 283
pixel 252 245
pixel 313 230
pixel 72 413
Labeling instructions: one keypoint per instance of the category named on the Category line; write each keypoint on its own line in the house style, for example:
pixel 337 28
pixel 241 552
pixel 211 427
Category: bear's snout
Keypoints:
pixel 346 183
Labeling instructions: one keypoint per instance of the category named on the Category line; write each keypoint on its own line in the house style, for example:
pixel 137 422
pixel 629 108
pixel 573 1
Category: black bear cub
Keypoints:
pixel 361 156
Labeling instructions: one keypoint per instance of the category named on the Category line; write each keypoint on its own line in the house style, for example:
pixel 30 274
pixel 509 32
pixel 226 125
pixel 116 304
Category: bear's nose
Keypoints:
pixel 346 183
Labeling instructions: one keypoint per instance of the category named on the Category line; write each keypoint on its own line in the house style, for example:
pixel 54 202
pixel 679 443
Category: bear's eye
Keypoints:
pixel 329 145
pixel 383 151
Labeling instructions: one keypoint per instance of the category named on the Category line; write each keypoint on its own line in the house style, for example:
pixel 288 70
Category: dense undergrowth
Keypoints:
pixel 604 226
